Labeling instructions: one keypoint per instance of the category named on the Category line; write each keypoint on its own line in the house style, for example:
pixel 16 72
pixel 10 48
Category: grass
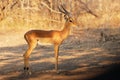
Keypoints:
pixel 25 20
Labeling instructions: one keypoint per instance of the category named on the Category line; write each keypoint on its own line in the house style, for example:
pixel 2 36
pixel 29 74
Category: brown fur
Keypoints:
pixel 54 37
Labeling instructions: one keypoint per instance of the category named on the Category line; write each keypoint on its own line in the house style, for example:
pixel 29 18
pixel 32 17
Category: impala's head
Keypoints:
pixel 71 21
pixel 68 16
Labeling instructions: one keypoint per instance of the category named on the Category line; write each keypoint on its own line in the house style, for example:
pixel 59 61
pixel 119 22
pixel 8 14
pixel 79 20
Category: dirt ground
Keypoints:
pixel 82 56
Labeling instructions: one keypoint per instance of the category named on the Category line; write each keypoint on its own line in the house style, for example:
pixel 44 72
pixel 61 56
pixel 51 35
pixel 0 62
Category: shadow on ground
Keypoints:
pixel 73 64
pixel 88 60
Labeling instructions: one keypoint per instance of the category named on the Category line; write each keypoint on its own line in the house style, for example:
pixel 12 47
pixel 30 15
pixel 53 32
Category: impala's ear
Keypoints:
pixel 66 17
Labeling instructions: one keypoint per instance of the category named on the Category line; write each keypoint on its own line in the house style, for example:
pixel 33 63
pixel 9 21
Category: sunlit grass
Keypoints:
pixel 26 20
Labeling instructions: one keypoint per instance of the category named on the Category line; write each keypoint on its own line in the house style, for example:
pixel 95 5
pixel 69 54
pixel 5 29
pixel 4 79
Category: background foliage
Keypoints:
pixel 44 14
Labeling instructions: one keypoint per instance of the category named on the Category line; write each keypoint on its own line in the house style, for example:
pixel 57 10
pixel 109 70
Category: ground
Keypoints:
pixel 82 56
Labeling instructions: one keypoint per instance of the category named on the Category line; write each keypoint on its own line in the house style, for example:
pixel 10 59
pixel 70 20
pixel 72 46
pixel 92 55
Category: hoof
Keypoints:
pixel 26 68
pixel 27 71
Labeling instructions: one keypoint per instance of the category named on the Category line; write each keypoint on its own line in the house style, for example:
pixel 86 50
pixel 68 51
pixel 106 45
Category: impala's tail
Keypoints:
pixel 26 38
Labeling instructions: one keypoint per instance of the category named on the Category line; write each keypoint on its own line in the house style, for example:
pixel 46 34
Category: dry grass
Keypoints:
pixel 85 21
pixel 17 18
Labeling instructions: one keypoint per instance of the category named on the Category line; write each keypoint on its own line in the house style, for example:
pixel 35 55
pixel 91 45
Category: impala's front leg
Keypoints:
pixel 56 49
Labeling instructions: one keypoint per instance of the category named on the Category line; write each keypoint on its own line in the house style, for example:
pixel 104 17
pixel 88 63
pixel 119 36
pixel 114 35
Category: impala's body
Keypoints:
pixel 43 37
pixel 52 36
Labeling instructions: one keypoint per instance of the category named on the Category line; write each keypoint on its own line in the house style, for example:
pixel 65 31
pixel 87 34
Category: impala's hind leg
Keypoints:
pixel 31 46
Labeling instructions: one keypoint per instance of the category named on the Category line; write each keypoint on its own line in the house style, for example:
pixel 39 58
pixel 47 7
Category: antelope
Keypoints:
pixel 54 37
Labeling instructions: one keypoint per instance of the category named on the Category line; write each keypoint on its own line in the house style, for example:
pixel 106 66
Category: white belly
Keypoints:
pixel 45 41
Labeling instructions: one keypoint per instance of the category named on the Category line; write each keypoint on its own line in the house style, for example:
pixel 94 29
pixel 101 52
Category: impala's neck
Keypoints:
pixel 66 30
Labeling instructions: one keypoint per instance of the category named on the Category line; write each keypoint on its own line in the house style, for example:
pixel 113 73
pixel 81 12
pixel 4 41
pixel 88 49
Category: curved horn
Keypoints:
pixel 63 10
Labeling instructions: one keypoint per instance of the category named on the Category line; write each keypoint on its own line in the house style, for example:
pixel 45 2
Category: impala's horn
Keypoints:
pixel 63 10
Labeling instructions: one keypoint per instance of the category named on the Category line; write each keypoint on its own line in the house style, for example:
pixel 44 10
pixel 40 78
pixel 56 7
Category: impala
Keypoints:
pixel 55 37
